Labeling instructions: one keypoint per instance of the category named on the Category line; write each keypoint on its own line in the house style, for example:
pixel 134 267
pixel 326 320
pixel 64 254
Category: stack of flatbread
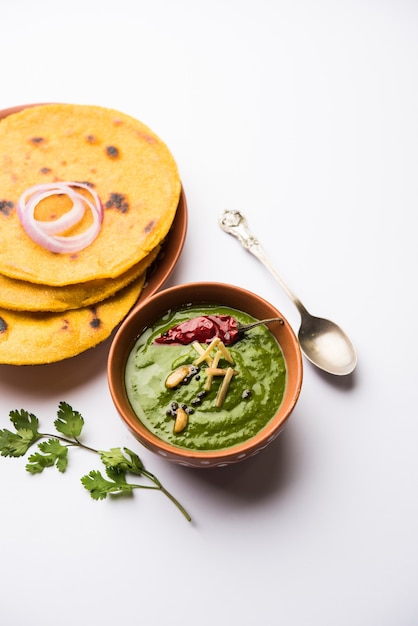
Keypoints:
pixel 56 305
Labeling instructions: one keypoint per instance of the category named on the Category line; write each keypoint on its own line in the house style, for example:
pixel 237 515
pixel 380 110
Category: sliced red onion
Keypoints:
pixel 44 233
pixel 66 221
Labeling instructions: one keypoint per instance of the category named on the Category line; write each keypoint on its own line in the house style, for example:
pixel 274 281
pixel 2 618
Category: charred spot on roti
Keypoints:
pixel 37 140
pixel 65 324
pixel 3 325
pixel 112 152
pixel 91 139
pixel 148 228
pixel 45 170
pixel 95 321
pixel 117 201
pixel 6 207
pixel 86 182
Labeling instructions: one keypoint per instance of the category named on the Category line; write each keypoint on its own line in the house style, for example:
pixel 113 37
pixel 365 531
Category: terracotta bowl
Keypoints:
pixel 197 293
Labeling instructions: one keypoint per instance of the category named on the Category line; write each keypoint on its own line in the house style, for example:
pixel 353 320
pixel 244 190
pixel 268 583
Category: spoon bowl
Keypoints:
pixel 326 345
pixel 322 342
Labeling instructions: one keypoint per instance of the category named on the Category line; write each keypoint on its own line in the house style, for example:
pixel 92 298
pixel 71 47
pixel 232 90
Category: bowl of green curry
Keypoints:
pixel 197 381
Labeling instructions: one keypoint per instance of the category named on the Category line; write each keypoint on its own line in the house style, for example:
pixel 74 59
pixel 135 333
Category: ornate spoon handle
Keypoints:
pixel 235 224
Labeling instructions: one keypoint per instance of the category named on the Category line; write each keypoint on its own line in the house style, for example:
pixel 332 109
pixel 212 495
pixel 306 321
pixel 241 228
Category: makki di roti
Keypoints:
pixel 127 165
pixel 20 295
pixel 28 338
pixel 54 305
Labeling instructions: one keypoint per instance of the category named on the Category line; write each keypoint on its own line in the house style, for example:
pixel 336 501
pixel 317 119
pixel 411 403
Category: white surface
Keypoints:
pixel 303 115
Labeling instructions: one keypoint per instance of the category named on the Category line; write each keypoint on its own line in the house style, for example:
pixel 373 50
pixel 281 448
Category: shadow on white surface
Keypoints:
pixel 247 483
pixel 343 383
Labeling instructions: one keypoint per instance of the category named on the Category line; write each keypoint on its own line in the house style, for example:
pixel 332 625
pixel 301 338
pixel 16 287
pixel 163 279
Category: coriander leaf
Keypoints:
pixel 99 487
pixel 117 461
pixel 54 453
pixel 68 422
pixel 12 444
pixel 123 459
pixel 38 462
pixel 116 474
pixel 17 444
pixel 22 420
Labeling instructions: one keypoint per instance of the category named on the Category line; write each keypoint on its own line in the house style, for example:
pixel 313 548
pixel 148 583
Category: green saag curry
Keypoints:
pixel 254 394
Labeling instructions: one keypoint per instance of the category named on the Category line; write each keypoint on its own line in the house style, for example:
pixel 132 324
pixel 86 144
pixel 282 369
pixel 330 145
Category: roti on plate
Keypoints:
pixel 19 295
pixel 127 165
pixel 38 338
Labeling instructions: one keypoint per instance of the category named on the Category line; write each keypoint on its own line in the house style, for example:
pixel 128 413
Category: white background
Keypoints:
pixel 304 116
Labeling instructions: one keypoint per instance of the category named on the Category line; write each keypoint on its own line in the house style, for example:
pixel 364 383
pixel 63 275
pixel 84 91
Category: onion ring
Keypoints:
pixel 44 233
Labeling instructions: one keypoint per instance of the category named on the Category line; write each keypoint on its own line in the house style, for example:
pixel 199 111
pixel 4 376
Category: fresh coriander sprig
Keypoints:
pixel 53 451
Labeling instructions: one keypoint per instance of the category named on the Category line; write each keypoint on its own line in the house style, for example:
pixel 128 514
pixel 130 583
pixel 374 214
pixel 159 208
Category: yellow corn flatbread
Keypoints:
pixel 39 338
pixel 19 295
pixel 129 167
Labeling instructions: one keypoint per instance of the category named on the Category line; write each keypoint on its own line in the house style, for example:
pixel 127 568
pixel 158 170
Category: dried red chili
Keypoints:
pixel 203 329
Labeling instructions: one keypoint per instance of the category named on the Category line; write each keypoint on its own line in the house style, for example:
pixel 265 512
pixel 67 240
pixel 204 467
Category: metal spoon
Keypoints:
pixel 323 342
